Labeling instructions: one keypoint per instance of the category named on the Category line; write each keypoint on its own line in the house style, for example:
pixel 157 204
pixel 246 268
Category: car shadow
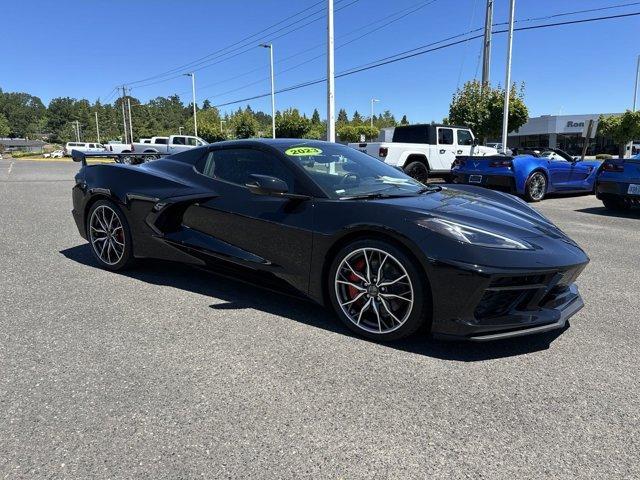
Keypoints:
pixel 239 295
pixel 611 213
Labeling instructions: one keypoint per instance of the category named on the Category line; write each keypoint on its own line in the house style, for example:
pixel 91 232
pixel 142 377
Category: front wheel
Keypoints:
pixel 536 187
pixel 417 170
pixel 109 235
pixel 377 291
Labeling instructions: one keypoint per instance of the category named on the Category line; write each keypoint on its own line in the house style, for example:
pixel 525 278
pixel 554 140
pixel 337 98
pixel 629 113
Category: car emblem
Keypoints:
pixel 475 164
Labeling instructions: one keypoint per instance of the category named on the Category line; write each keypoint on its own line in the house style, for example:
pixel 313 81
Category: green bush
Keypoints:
pixel 18 154
pixel 603 156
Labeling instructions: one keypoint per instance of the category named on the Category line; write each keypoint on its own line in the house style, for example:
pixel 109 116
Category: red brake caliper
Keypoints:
pixel 353 292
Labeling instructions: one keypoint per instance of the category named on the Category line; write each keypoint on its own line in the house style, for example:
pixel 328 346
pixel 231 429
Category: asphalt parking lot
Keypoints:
pixel 170 372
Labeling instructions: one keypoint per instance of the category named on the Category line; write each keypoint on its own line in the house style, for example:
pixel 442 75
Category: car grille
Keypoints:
pixel 523 293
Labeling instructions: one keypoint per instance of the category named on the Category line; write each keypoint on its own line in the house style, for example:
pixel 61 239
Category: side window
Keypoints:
pixel 465 137
pixel 161 141
pixel 236 165
pixel 445 136
pixel 179 141
pixel 191 141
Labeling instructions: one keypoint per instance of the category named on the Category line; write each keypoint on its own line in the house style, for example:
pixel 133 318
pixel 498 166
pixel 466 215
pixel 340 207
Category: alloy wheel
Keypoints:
pixel 374 290
pixel 107 235
pixel 537 186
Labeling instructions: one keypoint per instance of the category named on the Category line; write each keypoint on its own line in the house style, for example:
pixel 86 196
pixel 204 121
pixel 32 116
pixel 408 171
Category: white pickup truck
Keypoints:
pixel 165 145
pixel 424 150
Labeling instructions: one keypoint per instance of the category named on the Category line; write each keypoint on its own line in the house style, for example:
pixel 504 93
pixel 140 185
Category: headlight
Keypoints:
pixel 472 235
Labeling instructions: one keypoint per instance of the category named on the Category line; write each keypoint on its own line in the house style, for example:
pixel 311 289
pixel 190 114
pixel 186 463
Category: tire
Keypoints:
pixel 106 220
pixel 615 204
pixel 536 187
pixel 387 308
pixel 417 170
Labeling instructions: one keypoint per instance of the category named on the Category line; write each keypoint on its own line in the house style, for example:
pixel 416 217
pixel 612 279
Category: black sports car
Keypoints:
pixel 387 253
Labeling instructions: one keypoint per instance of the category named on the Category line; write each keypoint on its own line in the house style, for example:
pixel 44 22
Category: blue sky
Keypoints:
pixel 84 48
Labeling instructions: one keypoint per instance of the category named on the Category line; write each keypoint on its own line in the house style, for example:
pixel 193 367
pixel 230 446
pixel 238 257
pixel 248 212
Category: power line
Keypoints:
pixel 203 62
pixel 187 65
pixel 405 55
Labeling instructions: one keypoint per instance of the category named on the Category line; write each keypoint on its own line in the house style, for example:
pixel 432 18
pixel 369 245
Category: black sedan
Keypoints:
pixel 388 254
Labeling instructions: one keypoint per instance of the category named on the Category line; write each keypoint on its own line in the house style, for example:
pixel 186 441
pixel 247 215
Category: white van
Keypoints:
pixel 83 147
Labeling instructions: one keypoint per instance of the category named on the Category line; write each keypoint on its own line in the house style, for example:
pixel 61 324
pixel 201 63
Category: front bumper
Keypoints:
pixel 493 304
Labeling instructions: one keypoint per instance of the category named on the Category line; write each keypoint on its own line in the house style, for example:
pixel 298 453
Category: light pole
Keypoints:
pixel 635 91
pixel 331 85
pixel 193 91
pixel 180 130
pixel 273 93
pixel 97 127
pixel 507 82
pixel 373 100
pixel 221 130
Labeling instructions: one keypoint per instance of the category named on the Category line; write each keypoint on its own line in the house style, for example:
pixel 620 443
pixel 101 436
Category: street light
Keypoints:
pixel 273 93
pixel 180 130
pixel 635 90
pixel 373 100
pixel 193 90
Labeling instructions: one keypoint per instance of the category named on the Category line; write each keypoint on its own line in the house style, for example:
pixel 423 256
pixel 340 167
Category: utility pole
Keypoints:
pixel 373 100
pixel 193 91
pixel 97 127
pixel 486 54
pixel 77 123
pixel 124 117
pixel 507 82
pixel 331 104
pixel 273 92
pixel 635 91
pixel 130 121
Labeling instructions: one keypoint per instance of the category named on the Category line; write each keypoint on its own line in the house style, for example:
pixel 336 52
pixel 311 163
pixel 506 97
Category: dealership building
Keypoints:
pixel 560 131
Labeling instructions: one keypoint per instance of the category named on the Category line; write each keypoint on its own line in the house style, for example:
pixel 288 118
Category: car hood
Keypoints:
pixel 486 209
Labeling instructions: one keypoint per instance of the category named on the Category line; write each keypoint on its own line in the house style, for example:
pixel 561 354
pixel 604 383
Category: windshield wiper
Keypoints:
pixel 374 196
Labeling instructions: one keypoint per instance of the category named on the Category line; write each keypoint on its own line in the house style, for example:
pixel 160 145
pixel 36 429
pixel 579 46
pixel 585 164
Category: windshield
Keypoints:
pixel 342 171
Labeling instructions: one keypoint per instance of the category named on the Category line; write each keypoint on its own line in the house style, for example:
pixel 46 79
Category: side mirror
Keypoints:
pixel 266 185
pixel 475 142
pixel 272 186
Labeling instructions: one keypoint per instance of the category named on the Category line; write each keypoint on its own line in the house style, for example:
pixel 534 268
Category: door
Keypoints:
pixel 580 172
pixel 464 142
pixel 559 171
pixel 178 144
pixel 445 149
pixel 267 233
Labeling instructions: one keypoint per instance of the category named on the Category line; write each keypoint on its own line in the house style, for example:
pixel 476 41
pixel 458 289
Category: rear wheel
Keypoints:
pixel 417 170
pixel 377 291
pixel 109 235
pixel 536 187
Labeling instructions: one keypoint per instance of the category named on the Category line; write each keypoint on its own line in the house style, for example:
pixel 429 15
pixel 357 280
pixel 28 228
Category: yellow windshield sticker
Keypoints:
pixel 303 151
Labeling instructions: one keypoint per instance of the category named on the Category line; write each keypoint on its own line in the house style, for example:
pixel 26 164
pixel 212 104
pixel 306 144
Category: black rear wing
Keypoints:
pixel 132 158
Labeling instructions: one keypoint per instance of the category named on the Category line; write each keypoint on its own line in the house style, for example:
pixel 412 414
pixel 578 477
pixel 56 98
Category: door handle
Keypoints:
pixel 442 151
pixel 459 152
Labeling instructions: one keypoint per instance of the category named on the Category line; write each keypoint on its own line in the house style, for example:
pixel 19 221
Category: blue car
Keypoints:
pixel 532 174
pixel 618 183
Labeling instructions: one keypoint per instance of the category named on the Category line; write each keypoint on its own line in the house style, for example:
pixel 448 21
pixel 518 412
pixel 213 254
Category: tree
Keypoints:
pixel 348 133
pixel 209 126
pixel 357 118
pixel 385 120
pixel 481 109
pixel 206 104
pixel 315 118
pixel 622 128
pixel 343 118
pixel 291 125
pixel 404 120
pixel 25 113
pixel 245 125
pixel 4 126
pixel 317 131
pixel 369 132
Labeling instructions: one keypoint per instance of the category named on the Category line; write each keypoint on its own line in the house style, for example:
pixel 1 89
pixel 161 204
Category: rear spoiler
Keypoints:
pixel 133 158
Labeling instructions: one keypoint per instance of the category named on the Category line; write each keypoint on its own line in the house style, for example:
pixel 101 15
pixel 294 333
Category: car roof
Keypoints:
pixel 272 142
